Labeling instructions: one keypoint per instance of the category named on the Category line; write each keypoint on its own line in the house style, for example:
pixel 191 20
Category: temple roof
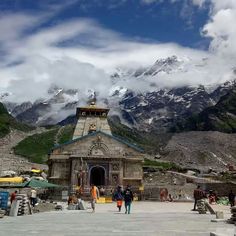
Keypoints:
pixel 91 110
pixel 93 107
pixel 100 132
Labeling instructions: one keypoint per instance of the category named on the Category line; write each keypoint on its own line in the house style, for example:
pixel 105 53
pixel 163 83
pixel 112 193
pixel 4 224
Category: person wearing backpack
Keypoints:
pixel 128 198
pixel 118 196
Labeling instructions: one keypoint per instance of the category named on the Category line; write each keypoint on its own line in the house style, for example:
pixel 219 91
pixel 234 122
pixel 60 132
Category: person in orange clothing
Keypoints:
pixel 94 194
pixel 118 196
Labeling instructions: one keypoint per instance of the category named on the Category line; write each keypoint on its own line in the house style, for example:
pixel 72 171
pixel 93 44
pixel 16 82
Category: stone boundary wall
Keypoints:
pixel 222 189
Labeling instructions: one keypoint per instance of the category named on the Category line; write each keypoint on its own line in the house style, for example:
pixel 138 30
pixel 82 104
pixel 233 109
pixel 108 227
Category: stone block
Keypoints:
pixel 72 207
pixel 219 215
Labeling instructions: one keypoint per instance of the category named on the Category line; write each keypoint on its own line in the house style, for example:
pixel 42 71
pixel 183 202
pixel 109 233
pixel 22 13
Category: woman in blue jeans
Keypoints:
pixel 128 198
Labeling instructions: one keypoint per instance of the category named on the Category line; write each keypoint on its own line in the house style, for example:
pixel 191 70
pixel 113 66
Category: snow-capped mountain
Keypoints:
pixel 155 108
pixel 167 65
pixel 160 110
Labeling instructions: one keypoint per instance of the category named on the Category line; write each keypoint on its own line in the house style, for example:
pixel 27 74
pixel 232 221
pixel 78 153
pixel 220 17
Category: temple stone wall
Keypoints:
pixel 133 170
pixel 119 160
pixel 82 127
pixel 60 169
pixel 79 128
pixel 94 155
pixel 84 146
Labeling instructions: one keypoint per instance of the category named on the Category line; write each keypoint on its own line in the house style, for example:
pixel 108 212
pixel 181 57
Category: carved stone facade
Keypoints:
pixel 95 157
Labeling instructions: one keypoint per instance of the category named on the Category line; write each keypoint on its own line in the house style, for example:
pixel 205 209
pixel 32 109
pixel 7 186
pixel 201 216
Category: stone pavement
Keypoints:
pixel 146 219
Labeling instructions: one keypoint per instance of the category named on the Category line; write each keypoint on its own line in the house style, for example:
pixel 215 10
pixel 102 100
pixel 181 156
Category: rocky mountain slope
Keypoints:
pixel 221 117
pixel 8 159
pixel 8 122
pixel 201 150
pixel 196 150
pixel 146 117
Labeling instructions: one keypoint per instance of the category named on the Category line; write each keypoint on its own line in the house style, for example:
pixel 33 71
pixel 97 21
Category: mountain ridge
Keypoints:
pixel 221 117
pixel 158 108
pixel 8 122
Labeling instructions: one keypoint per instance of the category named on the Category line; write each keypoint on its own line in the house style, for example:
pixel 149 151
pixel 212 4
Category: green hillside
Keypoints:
pixel 221 117
pixel 37 146
pixel 7 122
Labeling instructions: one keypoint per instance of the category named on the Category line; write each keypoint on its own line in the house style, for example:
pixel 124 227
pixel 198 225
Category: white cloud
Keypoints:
pixel 90 53
pixel 221 30
pixel 16 23
pixel 199 3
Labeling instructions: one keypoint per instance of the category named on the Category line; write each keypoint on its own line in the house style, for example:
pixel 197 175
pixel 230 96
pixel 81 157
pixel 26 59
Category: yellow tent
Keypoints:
pixel 11 180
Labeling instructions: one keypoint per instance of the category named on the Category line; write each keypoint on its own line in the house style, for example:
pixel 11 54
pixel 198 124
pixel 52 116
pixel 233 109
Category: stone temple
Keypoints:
pixel 95 156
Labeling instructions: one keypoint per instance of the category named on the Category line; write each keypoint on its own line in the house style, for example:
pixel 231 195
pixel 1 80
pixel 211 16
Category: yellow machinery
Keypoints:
pixel 16 180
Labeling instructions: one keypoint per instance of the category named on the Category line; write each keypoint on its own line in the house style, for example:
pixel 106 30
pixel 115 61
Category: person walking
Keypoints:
pixel 128 198
pixel 231 198
pixel 33 197
pixel 198 194
pixel 13 197
pixel 118 196
pixel 94 194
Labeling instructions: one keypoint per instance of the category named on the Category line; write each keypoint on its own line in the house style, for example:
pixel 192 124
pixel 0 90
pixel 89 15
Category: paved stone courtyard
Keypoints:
pixel 146 218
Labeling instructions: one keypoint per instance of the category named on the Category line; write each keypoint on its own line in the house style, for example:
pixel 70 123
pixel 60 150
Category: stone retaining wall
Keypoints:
pixel 222 189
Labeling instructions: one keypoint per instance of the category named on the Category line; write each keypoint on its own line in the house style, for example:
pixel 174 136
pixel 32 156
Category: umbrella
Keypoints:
pixel 34 183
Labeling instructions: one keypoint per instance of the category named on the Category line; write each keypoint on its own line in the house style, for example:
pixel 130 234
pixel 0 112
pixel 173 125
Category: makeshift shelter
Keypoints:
pixel 34 183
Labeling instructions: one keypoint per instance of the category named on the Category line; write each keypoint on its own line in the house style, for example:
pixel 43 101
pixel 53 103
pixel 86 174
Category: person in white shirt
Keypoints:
pixel 33 197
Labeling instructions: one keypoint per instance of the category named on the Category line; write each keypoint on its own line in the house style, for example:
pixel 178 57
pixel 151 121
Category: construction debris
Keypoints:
pixel 2 213
pixel 20 206
pixel 203 206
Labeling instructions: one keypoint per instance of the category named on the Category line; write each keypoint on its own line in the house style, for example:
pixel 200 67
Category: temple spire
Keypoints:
pixel 91 119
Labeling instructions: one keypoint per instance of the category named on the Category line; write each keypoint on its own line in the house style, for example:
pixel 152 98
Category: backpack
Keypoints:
pixel 128 195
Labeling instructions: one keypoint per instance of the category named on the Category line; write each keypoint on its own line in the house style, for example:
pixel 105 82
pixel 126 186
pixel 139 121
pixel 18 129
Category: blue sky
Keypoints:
pixel 161 21
pixel 80 43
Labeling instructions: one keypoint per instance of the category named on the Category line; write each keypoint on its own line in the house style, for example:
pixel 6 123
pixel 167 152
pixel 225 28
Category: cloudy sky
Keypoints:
pixel 79 43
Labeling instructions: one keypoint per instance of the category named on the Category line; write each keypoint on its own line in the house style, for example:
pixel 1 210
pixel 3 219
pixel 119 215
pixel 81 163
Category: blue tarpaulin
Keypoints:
pixel 4 200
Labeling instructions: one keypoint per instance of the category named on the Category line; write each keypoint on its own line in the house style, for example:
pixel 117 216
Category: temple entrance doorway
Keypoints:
pixel 97 176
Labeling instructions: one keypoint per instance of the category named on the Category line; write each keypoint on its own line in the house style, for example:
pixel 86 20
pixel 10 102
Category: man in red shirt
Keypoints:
pixel 198 194
pixel 13 196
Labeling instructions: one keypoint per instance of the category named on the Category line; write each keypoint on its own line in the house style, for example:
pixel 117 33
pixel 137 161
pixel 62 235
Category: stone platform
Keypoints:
pixel 146 219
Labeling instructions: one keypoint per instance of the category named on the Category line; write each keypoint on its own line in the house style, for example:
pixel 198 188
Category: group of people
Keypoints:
pixel 124 195
pixel 33 197
pixel 119 196
pixel 199 194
